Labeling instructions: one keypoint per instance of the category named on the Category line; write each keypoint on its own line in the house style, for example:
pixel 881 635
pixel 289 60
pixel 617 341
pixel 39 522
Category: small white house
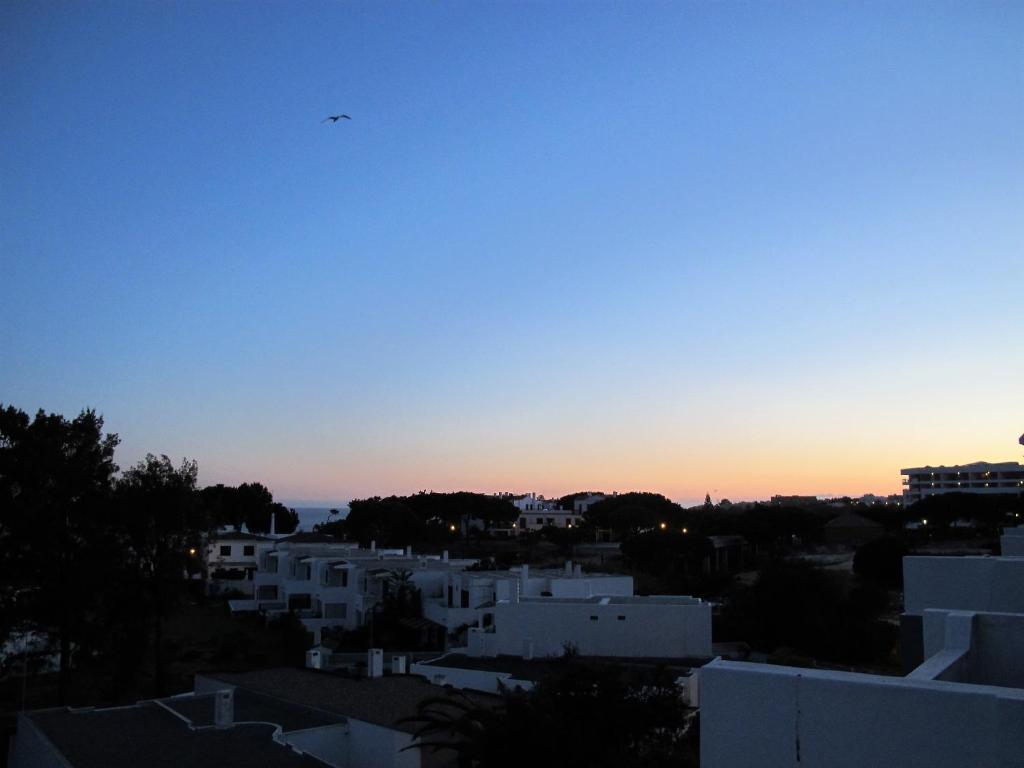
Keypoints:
pixel 231 561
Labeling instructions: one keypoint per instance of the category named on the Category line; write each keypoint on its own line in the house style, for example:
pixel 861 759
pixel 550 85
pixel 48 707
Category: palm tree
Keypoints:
pixel 454 722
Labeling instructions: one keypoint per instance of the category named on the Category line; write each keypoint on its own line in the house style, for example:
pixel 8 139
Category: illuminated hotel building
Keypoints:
pixel 979 477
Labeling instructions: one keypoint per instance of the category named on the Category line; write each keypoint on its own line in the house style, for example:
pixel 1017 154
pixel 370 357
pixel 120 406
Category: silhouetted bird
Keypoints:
pixel 335 118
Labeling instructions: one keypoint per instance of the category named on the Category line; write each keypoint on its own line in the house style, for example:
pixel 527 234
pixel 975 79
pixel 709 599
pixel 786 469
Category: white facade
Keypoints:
pixel 963 706
pixel 1011 543
pixel 658 626
pixel 979 477
pixel 231 561
pixel 468 596
pixel 963 583
pixel 336 584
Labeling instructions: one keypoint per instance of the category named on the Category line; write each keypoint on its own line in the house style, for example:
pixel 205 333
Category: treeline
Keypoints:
pixel 94 560
pixel 429 517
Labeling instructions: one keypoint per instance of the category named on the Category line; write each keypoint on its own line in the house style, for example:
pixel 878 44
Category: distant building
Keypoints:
pixel 337 585
pixel 470 596
pixel 979 477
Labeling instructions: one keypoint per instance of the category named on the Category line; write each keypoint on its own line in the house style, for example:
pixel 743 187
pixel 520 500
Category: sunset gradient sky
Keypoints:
pixel 738 248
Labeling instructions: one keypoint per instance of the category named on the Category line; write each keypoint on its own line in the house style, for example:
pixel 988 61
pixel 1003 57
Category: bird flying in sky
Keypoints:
pixel 335 118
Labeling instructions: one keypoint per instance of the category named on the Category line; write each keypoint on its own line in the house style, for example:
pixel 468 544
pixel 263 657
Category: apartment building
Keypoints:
pixel 979 477
pixel 328 583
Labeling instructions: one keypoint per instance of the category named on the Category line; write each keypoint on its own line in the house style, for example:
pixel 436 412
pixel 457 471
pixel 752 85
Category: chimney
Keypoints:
pixel 375 662
pixel 408 551
pixel 444 556
pixel 577 571
pixel 224 708
pixel 373 545
pixel 568 567
pixel 398 665
pixel 314 658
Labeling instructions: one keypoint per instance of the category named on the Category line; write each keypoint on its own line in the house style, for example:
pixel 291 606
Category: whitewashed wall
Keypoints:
pixel 963 584
pixel 647 629
pixel 763 716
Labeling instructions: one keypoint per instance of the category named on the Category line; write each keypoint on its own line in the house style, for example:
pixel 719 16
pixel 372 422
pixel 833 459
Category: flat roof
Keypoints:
pixel 253 707
pixel 148 735
pixel 380 700
pixel 535 669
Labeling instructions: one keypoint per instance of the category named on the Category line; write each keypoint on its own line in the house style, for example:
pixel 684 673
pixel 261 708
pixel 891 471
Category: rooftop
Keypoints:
pixel 381 700
pixel 536 669
pixel 147 734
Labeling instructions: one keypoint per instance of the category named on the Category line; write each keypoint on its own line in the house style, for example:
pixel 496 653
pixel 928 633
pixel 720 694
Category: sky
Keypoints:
pixel 691 247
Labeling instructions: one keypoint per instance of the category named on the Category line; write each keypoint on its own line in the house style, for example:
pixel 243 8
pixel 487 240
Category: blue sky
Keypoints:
pixel 749 248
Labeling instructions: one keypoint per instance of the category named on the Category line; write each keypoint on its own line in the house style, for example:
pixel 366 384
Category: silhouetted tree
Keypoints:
pixel 630 513
pixel 161 520
pixel 881 561
pixel 55 479
pixel 580 715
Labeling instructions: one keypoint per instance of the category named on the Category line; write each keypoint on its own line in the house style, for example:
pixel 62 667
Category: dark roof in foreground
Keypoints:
pixel 535 669
pixel 148 735
pixel 380 700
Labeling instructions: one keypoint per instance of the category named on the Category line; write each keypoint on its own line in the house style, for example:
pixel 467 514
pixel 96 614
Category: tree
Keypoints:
pixel 630 513
pixel 285 520
pixel 881 561
pixel 55 480
pixel 160 520
pixel 580 715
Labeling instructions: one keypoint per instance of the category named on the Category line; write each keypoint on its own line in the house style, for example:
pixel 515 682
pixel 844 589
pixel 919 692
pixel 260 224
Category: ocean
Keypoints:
pixel 310 516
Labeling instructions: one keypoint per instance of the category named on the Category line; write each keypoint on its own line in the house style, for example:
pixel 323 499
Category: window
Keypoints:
pixel 225 550
pixel 249 550
pixel 621 618
pixel 522 522
pixel 540 521
pixel 465 599
pixel 593 618
pixel 344 577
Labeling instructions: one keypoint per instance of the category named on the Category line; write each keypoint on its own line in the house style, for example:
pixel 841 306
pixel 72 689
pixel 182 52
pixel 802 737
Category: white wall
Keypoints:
pixel 30 749
pixel 963 584
pixel 473 679
pixel 375 745
pixel 647 629
pixel 1011 543
pixel 331 743
pixel 763 716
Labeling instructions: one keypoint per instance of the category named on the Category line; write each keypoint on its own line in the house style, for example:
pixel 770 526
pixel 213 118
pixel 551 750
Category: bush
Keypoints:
pixel 881 561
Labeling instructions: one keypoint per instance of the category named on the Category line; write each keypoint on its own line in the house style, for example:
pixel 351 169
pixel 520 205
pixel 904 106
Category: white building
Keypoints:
pixel 962 706
pixel 336 584
pixel 979 477
pixel 667 626
pixel 231 561
pixel 278 718
pixel 469 596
